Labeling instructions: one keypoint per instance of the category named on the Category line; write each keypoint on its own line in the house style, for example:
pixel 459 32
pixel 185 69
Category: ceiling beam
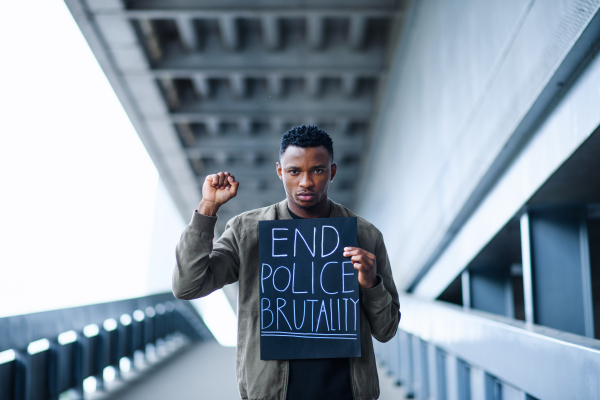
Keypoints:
pixel 312 85
pixel 250 13
pixel 245 144
pixel 171 93
pixel 150 38
pixel 292 58
pixel 183 73
pixel 271 31
pixel 303 106
pixel 275 84
pixel 201 84
pixel 229 31
pixel 319 115
pixel 237 85
pixel 315 30
pixel 357 31
pixel 187 32
pixel 349 84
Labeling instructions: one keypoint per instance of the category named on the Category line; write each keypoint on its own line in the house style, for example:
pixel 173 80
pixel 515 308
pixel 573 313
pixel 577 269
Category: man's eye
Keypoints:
pixel 318 171
pixel 292 172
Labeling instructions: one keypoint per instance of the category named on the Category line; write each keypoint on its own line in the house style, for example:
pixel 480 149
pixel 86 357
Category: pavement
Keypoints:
pixel 204 370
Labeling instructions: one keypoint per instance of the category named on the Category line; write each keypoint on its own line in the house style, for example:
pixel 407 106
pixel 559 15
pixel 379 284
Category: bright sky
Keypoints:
pixel 77 188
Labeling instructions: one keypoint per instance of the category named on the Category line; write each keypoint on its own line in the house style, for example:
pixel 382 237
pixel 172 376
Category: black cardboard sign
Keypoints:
pixel 309 296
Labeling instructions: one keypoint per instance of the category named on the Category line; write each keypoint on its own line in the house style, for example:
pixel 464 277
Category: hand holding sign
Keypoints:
pixel 217 190
pixel 364 262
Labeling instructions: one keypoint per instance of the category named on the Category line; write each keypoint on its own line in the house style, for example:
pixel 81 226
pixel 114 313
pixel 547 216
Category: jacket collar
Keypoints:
pixel 283 213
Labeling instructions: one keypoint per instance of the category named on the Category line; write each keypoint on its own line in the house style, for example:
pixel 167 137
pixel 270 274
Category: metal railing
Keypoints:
pixel 444 352
pixel 45 354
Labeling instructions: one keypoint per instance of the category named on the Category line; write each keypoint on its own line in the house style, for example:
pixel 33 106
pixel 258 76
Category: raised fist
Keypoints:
pixel 217 190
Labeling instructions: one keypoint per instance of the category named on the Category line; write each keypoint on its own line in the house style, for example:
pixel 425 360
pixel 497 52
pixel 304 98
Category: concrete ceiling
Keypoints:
pixel 212 85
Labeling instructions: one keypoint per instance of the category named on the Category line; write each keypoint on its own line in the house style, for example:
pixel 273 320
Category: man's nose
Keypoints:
pixel 305 181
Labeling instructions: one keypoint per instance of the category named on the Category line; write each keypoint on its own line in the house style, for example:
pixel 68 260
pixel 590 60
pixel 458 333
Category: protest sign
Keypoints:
pixel 309 296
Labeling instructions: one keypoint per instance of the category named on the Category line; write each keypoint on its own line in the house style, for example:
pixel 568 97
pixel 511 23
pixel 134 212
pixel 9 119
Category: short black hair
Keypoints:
pixel 306 136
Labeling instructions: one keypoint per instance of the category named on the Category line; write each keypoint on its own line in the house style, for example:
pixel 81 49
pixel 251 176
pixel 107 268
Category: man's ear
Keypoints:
pixel 279 170
pixel 333 170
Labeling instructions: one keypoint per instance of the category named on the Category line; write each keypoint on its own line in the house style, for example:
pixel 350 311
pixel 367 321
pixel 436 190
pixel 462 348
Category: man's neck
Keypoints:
pixel 321 210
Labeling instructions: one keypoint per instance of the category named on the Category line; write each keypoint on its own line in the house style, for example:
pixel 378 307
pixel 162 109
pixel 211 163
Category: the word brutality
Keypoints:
pixel 309 299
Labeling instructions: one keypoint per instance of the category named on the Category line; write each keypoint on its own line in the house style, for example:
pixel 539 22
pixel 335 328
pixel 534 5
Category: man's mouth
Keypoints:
pixel 306 196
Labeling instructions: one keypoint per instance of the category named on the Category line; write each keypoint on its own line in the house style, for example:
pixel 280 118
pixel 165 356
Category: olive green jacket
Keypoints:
pixel 203 267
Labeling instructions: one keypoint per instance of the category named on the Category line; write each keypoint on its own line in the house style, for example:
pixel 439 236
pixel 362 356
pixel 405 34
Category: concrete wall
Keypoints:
pixel 469 84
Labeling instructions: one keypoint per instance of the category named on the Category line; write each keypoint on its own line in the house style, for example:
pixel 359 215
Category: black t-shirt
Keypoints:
pixel 319 378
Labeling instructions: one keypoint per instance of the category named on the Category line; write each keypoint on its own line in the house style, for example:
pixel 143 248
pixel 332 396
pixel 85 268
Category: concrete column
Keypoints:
pixel 187 32
pixel 357 31
pixel 465 281
pixel 491 290
pixel 424 380
pixel 560 269
pixel 201 85
pixel 452 378
pixel 271 31
pixel 478 383
pixel 527 268
pixel 463 380
pixel 315 31
pixel 407 364
pixel 440 388
pixel 229 32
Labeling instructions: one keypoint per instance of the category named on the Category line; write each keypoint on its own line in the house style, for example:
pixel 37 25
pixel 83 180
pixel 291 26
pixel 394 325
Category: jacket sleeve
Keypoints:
pixel 202 267
pixel 381 302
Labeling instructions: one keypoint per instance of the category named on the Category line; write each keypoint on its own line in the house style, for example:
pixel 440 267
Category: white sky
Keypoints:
pixel 77 188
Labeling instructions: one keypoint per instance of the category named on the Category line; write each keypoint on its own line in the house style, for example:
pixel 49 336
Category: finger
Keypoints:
pixel 350 251
pixel 355 253
pixel 226 182
pixel 220 180
pixel 234 187
pixel 363 260
pixel 214 179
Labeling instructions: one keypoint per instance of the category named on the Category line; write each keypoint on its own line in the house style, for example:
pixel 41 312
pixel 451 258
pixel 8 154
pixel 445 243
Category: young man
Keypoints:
pixel 306 168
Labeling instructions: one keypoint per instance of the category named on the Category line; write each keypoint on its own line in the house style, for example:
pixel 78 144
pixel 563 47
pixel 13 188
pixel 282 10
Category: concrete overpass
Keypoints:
pixel 466 131
pixel 211 86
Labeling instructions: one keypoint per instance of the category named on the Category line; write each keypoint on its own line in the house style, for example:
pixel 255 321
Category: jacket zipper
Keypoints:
pixel 287 379
pixel 351 379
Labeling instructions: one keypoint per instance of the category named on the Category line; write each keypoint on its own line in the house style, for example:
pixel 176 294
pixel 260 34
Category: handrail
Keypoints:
pixel 44 354
pixel 539 361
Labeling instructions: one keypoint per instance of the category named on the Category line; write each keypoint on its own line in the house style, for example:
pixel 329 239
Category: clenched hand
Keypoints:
pixel 217 190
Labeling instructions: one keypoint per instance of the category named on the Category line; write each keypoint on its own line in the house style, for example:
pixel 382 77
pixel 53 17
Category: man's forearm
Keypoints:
pixel 192 257
pixel 382 311
pixel 200 268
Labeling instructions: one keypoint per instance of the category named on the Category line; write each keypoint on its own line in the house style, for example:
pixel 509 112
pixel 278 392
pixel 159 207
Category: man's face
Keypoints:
pixel 306 173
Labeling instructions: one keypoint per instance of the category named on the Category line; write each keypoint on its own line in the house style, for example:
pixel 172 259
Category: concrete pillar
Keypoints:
pixel 440 389
pixel 424 379
pixel 491 290
pixel 559 256
pixel 407 364
pixel 463 380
